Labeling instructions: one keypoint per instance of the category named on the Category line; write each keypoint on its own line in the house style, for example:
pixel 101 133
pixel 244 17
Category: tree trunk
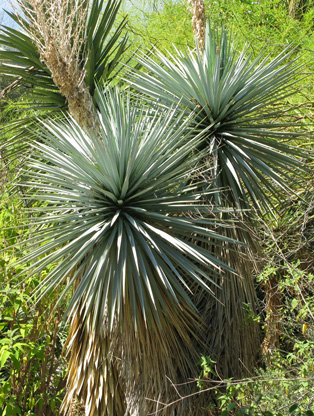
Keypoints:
pixel 233 335
pixel 297 8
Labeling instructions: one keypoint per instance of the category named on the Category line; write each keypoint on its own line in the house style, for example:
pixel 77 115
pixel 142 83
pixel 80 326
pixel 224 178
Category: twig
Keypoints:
pixel 7 89
pixel 13 84
pixel 221 385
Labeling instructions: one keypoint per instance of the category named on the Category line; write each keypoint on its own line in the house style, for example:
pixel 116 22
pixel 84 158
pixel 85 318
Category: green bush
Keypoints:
pixel 31 366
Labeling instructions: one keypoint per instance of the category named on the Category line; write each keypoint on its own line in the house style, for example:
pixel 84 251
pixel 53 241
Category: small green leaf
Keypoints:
pixel 21 345
pixel 6 341
pixel 16 360
pixel 4 356
pixel 52 404
pixel 294 303
pixel 231 406
pixel 293 407
pixel 12 410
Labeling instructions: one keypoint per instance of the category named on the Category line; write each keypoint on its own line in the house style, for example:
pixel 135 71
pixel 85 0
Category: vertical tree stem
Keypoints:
pixel 198 22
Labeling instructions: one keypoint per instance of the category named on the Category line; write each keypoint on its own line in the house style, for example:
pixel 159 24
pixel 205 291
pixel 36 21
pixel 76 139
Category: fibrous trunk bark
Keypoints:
pixel 234 335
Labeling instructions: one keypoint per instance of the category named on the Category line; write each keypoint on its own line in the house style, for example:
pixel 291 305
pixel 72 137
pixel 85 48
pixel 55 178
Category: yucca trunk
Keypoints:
pixel 232 339
pixel 135 372
pixel 93 371
pixel 234 335
pixel 154 364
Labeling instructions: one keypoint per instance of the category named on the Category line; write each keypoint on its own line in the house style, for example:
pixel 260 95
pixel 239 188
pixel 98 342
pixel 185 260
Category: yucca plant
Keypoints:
pixel 100 55
pixel 122 223
pixel 236 102
pixel 60 52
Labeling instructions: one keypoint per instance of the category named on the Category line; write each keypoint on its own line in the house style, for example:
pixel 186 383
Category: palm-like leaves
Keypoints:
pixel 234 100
pixel 121 222
pixel 116 212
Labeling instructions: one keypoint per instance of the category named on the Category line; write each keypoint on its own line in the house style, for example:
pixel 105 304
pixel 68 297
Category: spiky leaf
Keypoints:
pixel 117 213
pixel 236 100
